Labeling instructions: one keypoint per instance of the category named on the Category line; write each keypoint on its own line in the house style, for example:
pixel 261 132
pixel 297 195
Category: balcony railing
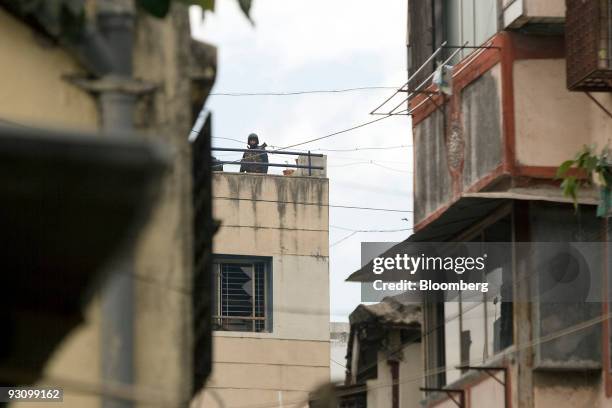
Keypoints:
pixel 308 154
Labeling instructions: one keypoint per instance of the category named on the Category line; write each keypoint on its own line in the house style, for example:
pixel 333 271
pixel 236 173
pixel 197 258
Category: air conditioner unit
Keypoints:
pixel 588 44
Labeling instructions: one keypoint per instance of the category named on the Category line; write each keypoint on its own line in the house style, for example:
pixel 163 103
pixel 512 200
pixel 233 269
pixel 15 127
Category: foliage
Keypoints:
pixel 595 167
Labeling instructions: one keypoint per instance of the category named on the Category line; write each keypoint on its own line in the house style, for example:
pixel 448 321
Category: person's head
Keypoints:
pixel 253 140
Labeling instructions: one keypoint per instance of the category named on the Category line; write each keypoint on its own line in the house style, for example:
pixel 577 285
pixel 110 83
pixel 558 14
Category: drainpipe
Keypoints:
pixel 106 49
pixel 116 24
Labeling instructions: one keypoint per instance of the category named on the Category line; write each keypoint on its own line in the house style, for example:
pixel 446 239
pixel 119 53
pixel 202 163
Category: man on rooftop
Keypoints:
pixel 251 159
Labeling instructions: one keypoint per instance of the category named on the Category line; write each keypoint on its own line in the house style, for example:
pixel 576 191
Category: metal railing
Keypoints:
pixel 309 166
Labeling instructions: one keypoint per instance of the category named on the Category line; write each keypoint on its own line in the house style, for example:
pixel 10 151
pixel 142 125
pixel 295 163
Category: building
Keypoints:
pixel 532 88
pixel 163 78
pixel 271 289
pixel 384 346
pixel 338 338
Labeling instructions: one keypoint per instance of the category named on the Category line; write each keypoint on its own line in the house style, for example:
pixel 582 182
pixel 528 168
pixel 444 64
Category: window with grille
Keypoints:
pixel 242 294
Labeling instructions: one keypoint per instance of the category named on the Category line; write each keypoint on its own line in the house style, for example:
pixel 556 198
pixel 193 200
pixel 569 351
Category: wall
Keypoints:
pixel 287 363
pixel 410 379
pixel 379 389
pixel 552 123
pixel 552 390
pixel 482 126
pixel 410 376
pixel 487 393
pixel 432 184
pixel 520 12
pixel 458 144
pixel 339 334
pixel 33 91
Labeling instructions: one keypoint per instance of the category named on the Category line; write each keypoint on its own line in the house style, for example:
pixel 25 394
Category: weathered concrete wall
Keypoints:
pixel 482 126
pixel 453 153
pixel 268 215
pixel 34 92
pixel 432 183
pixel 410 376
pixel 520 12
pixel 545 9
pixel 487 393
pixel 164 258
pixel 380 390
pixel 339 335
pixel 580 390
pixel 552 123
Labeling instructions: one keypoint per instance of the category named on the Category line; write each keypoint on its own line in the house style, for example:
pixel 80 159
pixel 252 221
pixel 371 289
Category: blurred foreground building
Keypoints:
pixel 532 87
pixel 136 347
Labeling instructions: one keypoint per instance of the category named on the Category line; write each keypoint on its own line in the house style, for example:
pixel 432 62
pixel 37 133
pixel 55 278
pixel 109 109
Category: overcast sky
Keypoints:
pixel 323 44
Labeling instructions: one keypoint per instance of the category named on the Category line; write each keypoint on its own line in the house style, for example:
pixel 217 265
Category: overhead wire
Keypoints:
pixel 344 239
pixel 301 92
pixel 353 207
pixel 360 125
pixel 370 230
pixel 370 162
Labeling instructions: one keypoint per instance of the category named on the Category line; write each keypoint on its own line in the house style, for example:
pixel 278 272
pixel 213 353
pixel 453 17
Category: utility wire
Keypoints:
pixel 316 204
pixel 324 136
pixel 363 148
pixel 343 239
pixel 301 92
pixel 355 232
pixel 370 162
pixel 370 230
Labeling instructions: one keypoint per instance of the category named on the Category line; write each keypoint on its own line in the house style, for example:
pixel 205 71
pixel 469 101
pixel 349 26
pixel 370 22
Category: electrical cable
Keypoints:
pixel 369 230
pixel 343 239
pixel 370 162
pixel 360 125
pixel 302 92
pixel 316 204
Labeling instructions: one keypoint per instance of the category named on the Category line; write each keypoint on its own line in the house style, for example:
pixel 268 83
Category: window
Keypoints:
pixel 242 294
pixel 472 21
pixel 476 327
pixel 434 339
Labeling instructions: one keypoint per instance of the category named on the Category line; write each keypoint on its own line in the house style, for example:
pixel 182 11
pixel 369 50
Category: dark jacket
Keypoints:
pixel 256 157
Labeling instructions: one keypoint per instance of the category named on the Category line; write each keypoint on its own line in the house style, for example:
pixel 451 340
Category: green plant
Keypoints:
pixel 594 169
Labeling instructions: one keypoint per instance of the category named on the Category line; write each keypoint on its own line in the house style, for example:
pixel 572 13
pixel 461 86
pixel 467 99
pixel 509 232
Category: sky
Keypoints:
pixel 321 45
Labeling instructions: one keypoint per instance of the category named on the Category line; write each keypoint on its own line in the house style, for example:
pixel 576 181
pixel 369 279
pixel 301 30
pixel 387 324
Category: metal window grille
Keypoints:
pixel 241 296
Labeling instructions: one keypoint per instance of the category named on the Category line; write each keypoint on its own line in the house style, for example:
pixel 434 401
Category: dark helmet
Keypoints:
pixel 253 136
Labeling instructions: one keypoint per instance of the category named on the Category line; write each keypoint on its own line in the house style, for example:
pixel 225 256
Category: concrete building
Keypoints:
pixel 531 90
pixel 271 319
pixel 384 346
pixel 338 338
pixel 43 84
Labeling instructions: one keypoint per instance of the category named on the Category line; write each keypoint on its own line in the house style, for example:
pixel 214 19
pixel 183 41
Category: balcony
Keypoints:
pixel 505 129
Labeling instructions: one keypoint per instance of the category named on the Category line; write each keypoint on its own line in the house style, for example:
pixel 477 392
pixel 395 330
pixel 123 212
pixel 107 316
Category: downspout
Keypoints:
pixel 106 49
pixel 116 24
